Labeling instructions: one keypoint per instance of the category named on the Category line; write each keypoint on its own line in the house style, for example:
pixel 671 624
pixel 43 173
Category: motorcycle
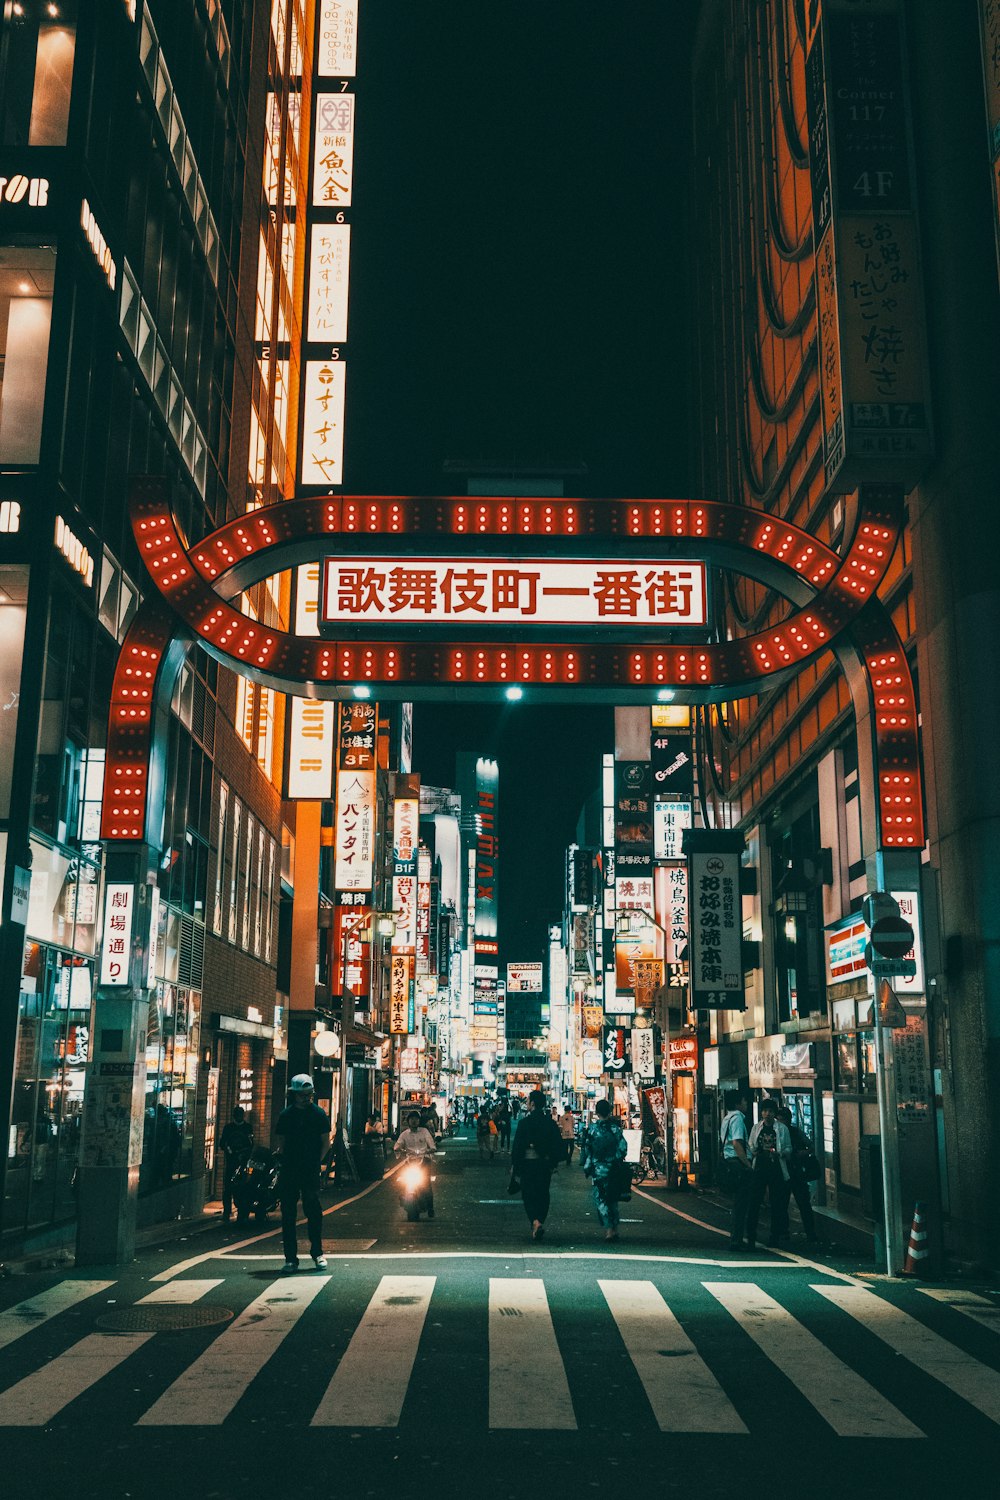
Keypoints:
pixel 255 1186
pixel 414 1184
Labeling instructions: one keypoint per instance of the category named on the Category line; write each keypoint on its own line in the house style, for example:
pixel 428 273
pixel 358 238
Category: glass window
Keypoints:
pixel 13 609
pixel 846 1058
pixel 27 277
pixel 38 73
pixel 172 1042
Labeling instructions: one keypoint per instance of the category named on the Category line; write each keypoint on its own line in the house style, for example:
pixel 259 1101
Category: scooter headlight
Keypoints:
pixel 412 1177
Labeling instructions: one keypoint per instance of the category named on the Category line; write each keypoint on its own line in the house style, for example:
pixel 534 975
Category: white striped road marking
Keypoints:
pixel 976 1383
pixel 683 1392
pixel 528 1387
pixel 36 1399
pixel 34 1311
pixel 180 1293
pixel 852 1407
pixel 197 1260
pixel 369 1385
pixel 980 1309
pixel 206 1392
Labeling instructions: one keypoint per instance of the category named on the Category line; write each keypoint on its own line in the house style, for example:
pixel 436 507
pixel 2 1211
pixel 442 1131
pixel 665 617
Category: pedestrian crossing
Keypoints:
pixel 689 1347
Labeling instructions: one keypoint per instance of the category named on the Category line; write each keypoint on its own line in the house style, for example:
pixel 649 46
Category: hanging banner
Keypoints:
pixel 716 919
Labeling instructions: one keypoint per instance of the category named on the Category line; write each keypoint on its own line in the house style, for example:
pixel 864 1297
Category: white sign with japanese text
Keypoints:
pixel 323 427
pixel 354 831
pixel 670 819
pixel 337 41
pixel 524 979
pixel 119 909
pixel 671 884
pixel 329 283
pixel 311 739
pixel 499 591
pixel 333 151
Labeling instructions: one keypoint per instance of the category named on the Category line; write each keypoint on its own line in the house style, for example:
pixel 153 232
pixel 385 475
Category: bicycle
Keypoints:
pixel 652 1162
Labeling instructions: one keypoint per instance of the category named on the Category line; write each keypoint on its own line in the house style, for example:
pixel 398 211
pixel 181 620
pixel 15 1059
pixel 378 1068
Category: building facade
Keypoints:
pixel 843 154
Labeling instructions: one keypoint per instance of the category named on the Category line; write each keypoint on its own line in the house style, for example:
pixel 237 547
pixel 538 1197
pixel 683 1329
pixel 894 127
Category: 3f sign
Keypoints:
pixel 874 184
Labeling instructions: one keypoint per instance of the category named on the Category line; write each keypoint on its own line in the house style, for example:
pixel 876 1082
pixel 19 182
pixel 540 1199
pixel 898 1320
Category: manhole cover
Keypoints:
pixel 162 1319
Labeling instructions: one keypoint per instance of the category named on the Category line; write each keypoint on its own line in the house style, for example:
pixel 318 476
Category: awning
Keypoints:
pixel 242 1028
pixel 364 1035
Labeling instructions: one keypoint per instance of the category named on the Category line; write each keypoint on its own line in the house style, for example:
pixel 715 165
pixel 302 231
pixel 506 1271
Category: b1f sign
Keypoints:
pixel 119 909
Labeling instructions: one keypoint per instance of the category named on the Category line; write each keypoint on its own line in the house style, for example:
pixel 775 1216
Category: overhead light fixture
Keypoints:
pixel 361 691
pixel 514 694
pixel 666 695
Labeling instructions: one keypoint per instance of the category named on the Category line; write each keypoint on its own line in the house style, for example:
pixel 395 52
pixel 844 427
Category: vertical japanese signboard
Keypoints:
pixel 715 919
pixel 633 819
pixel 324 385
pixel 400 995
pixel 310 749
pixel 119 909
pixel 643 1042
pixel 405 840
pixel 354 827
pixel 874 381
pixel 617 1058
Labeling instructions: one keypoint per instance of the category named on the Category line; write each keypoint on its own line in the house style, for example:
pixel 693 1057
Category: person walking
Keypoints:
pixel 801 1167
pixel 736 1166
pixel 487 1136
pixel 501 1116
pixel 236 1141
pixel 567 1129
pixel 303 1132
pixel 770 1150
pixel 537 1151
pixel 604 1146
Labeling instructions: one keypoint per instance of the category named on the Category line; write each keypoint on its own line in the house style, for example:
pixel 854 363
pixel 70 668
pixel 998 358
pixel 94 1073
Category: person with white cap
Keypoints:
pixel 303 1132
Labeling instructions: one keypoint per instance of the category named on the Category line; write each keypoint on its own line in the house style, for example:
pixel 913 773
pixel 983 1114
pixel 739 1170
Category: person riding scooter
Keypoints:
pixel 255 1186
pixel 418 1147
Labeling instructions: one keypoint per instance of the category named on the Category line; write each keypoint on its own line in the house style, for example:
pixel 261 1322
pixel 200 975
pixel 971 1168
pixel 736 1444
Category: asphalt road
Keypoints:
pixel 458 1358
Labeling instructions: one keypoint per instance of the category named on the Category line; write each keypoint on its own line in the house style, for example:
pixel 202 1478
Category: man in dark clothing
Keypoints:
pixel 538 1150
pixel 236 1141
pixel 798 1183
pixel 501 1115
pixel 303 1132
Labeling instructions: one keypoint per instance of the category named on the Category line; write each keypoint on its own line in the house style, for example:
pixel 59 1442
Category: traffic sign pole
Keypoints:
pixel 885 1081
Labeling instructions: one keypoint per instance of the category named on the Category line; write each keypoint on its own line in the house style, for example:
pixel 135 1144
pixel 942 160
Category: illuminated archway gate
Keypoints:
pixel 833 596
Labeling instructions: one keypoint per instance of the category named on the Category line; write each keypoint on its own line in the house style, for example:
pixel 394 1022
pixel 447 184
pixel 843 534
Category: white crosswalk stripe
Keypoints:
pixel 970 1304
pixel 20 1319
pixel 852 1407
pixel 975 1382
pixel 205 1394
pixel 683 1392
pixel 369 1385
pixel 524 1371
pixel 528 1387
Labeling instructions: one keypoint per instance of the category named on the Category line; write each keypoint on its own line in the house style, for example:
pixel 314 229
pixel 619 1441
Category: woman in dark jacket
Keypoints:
pixel 537 1151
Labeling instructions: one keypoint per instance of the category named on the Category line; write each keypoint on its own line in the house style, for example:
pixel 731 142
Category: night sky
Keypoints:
pixel 518 297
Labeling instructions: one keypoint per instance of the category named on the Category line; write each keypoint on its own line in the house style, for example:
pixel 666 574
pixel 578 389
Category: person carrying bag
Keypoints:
pixel 603 1156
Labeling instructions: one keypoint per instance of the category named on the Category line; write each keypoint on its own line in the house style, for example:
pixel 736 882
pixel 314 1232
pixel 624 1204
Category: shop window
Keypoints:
pixel 846 1063
pixel 38 72
pixel 118 599
pixel 13 610
pixel 27 277
pixel 172 1042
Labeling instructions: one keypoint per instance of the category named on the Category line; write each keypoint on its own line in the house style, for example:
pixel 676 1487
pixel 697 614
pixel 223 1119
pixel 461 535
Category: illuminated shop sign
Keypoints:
pixel 98 244
pixel 74 552
pixel 715 920
pixel 845 950
pixel 34 191
pixel 498 592
pixel 333 151
pixel 119 908
pixel 10 516
pixel 329 282
pixel 323 428
pixel 354 831
pixel 524 979
pixel 310 756
pixel 670 820
pixel 337 42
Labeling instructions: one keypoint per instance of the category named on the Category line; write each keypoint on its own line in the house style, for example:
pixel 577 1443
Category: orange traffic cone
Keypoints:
pixel 918 1251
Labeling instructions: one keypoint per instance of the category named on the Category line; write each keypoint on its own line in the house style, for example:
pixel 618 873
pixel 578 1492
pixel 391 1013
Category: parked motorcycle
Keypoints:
pixel 414 1184
pixel 255 1186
